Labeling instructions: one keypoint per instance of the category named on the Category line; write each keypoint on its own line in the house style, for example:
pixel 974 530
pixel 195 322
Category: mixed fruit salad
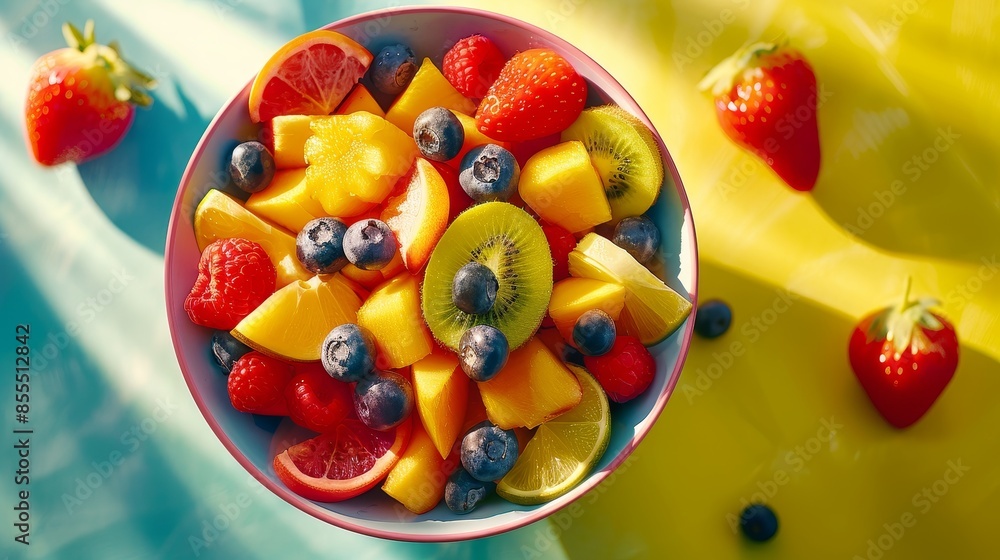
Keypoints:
pixel 447 292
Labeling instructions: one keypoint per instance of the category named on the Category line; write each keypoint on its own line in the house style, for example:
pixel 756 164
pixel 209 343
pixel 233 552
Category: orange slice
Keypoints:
pixel 343 463
pixel 310 75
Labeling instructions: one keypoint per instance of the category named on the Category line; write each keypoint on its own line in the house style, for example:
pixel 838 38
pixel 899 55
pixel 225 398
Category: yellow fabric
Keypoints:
pixel 908 122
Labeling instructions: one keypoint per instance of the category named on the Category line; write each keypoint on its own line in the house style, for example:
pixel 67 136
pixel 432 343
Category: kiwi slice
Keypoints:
pixel 625 154
pixel 512 244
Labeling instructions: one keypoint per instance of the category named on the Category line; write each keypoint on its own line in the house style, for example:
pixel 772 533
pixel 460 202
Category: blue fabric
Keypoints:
pixel 122 464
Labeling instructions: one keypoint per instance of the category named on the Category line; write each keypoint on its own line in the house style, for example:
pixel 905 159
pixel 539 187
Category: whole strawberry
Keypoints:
pixel 904 356
pixel 80 99
pixel 538 93
pixel 472 65
pixel 766 101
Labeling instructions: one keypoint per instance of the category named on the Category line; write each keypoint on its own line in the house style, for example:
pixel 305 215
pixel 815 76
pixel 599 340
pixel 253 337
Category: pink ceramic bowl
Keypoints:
pixel 429 31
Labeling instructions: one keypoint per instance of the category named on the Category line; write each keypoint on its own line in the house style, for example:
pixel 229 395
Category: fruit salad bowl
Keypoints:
pixel 429 32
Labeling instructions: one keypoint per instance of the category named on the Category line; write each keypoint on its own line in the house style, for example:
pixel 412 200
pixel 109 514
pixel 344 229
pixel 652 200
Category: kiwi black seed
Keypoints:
pixel 511 243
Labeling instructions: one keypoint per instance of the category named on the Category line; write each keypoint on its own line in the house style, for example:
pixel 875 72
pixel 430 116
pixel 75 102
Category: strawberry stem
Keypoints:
pixel 720 79
pixel 906 293
pixel 130 84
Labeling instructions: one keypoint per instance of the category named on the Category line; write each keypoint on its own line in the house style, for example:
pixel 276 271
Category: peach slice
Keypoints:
pixel 419 215
pixel 442 390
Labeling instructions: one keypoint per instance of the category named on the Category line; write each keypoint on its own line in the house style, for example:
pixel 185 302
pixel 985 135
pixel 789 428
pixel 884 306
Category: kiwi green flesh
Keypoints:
pixel 512 244
pixel 625 154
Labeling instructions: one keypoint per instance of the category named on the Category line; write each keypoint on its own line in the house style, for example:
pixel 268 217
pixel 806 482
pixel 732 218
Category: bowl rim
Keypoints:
pixel 542 511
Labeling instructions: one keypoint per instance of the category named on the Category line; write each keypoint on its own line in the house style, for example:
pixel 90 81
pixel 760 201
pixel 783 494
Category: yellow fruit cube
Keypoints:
pixel 473 137
pixel 442 394
pixel 290 133
pixel 572 297
pixel 360 99
pixel 286 201
pixel 392 314
pixel 429 88
pixel 534 387
pixel 561 185
pixel 354 161
pixel 418 479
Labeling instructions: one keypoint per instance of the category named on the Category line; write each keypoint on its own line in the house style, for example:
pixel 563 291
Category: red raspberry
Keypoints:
pixel 257 384
pixel 472 65
pixel 234 277
pixel 561 243
pixel 317 401
pixel 625 371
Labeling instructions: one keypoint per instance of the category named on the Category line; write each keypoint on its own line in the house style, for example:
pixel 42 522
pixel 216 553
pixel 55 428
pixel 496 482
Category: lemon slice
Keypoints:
pixel 563 451
pixel 652 311
pixel 293 322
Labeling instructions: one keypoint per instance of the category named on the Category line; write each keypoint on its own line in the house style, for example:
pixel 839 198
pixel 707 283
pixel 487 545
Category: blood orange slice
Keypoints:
pixel 343 463
pixel 310 75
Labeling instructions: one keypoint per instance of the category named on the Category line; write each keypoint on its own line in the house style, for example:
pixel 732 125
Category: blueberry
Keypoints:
pixel 227 350
pixel 482 352
pixel 369 244
pixel 594 333
pixel 383 400
pixel 463 493
pixel 349 353
pixel 474 289
pixel 251 167
pixel 758 522
pixel 439 134
pixel 488 452
pixel 489 173
pixel 393 69
pixel 320 245
pixel 713 319
pixel 639 236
